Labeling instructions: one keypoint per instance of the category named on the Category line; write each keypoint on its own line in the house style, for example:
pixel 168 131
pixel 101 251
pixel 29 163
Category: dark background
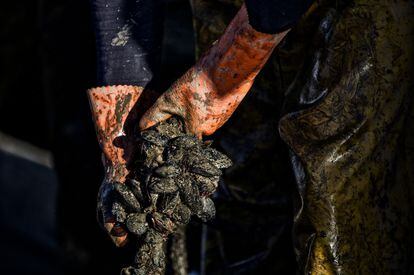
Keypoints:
pixel 50 166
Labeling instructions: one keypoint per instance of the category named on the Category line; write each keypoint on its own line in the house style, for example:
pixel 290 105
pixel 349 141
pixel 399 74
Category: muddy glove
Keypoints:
pixel 128 42
pixel 208 94
pixel 111 109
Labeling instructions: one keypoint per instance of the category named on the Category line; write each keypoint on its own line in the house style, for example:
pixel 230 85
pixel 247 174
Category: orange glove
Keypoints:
pixel 208 94
pixel 111 109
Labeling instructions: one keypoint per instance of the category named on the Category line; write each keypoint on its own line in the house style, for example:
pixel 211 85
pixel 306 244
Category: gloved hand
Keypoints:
pixel 156 191
pixel 128 41
pixel 208 94
pixel 111 109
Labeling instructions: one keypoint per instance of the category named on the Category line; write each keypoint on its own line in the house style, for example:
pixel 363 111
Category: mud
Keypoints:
pixel 171 181
pixel 122 37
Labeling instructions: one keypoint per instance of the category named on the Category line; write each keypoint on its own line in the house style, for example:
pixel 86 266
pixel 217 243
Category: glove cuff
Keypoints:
pixel 111 108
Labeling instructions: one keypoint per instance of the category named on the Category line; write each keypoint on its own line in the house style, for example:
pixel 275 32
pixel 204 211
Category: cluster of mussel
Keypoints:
pixel 175 175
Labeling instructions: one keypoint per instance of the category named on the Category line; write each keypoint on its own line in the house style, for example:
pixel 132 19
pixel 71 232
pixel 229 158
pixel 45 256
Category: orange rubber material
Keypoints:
pixel 208 94
pixel 111 107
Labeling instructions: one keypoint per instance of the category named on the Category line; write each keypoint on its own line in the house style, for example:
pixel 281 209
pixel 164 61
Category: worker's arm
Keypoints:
pixel 208 94
pixel 128 40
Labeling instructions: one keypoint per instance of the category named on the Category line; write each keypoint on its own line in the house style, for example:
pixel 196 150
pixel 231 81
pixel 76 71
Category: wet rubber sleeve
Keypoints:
pixel 128 40
pixel 274 16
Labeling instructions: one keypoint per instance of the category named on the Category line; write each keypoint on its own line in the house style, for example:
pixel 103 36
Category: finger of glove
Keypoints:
pixel 118 230
pixel 153 116
pixel 117 233
pixel 128 198
pixel 106 199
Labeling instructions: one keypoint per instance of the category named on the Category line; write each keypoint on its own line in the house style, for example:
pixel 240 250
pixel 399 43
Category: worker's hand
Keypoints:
pixel 111 110
pixel 117 204
pixel 208 94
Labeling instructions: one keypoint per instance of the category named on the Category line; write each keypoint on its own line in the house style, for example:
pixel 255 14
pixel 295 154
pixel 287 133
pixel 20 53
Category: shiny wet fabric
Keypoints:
pixel 339 89
pixel 349 135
